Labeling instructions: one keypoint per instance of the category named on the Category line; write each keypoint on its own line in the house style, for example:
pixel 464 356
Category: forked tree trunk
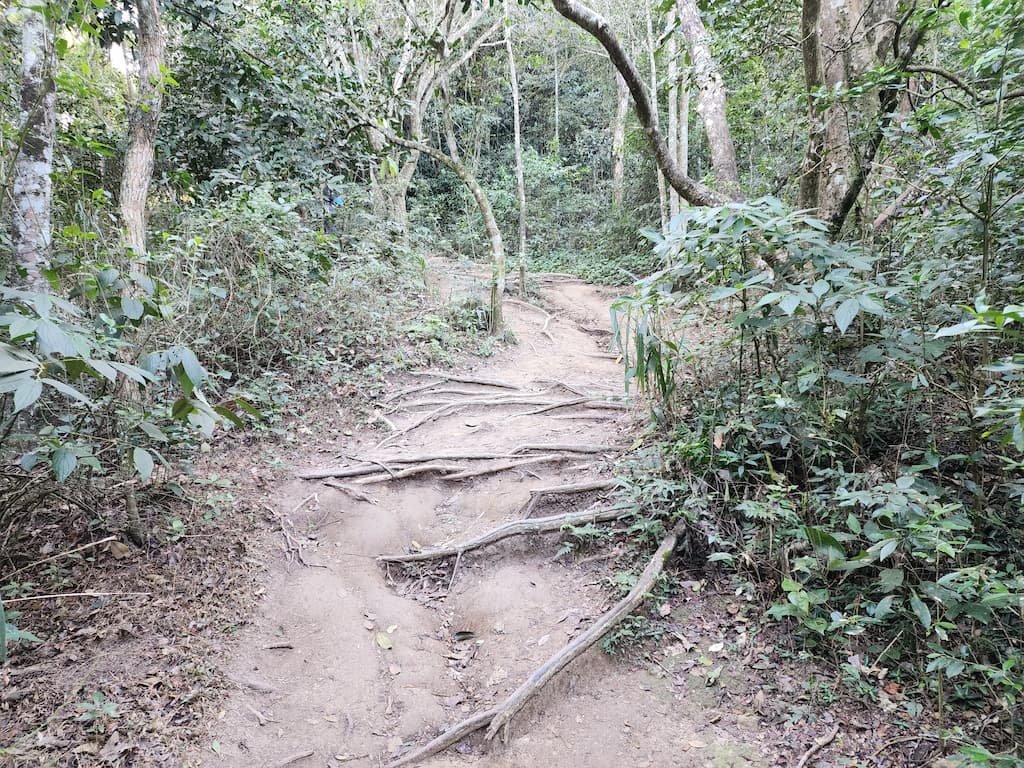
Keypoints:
pixel 711 99
pixel 619 144
pixel 143 120
pixel 33 188
pixel 513 77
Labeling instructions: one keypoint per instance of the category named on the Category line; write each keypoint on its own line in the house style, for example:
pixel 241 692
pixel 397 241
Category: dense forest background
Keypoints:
pixel 221 210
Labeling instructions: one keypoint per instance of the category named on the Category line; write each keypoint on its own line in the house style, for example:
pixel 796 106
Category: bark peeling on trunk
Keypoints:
pixel 33 187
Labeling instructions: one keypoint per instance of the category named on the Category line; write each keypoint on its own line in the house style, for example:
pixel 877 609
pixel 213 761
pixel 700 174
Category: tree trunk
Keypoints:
pixel 486 212
pixel 596 25
pixel 143 120
pixel 33 188
pixel 810 48
pixel 619 144
pixel 556 145
pixel 710 98
pixel 513 77
pixel 652 60
pixel 673 109
pixel 683 109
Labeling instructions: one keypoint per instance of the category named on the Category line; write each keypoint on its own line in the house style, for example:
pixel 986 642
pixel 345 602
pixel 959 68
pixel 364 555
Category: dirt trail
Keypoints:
pixel 459 642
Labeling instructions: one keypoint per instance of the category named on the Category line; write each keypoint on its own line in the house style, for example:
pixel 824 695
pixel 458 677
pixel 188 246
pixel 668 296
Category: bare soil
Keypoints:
pixel 352 663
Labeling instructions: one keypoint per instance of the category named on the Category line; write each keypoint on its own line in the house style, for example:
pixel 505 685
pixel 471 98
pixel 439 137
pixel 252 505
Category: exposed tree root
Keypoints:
pixel 370 466
pixel 466 379
pixel 353 492
pixel 546 458
pixel 817 746
pixel 586 402
pixel 537 494
pixel 498 718
pixel 418 469
pixel 513 528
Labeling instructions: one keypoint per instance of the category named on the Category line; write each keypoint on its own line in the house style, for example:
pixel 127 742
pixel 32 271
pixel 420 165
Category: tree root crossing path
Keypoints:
pixel 421 605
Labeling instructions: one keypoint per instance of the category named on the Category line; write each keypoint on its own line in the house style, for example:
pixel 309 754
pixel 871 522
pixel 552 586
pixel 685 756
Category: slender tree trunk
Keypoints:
pixel 513 77
pixel 143 120
pixel 558 107
pixel 673 109
pixel 33 188
pixel 810 48
pixel 619 144
pixel 710 98
pixel 663 207
pixel 486 212
pixel 683 144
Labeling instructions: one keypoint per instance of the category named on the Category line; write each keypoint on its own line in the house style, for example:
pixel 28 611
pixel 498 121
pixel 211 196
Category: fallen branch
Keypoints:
pixel 513 528
pixel 369 466
pixel 353 492
pixel 295 758
pixel 507 465
pixel 817 746
pixel 466 379
pixel 419 469
pixel 498 718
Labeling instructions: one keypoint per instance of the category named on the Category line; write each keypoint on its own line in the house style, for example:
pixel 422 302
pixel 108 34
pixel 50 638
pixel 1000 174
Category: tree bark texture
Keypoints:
pixel 143 121
pixel 653 67
pixel 711 98
pixel 33 188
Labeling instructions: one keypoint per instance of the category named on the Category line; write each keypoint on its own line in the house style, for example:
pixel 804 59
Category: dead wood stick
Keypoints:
pixel 586 402
pixel 528 305
pixel 497 718
pixel 466 379
pixel 514 703
pixel 353 492
pixel 295 758
pixel 817 746
pixel 418 469
pixel 562 447
pixel 507 465
pixel 453 735
pixel 603 355
pixel 513 528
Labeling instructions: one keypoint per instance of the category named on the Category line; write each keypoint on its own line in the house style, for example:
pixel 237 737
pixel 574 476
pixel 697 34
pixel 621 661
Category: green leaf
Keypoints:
pixel 153 431
pixel 921 611
pixel 182 408
pixel 789 303
pixel 26 394
pixel 846 314
pixel 957 330
pixel 143 462
pixel 52 340
pixel 15 361
pixel 845 377
pixel 67 389
pixel 132 308
pixel 825 543
pixel 228 414
pixel 820 288
pixel 890 578
pixel 63 463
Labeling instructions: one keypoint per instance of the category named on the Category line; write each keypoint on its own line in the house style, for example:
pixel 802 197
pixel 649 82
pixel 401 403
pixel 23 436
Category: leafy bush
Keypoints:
pixel 848 448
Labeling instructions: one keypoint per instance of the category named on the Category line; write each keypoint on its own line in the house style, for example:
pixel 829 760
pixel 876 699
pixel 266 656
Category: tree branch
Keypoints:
pixel 592 22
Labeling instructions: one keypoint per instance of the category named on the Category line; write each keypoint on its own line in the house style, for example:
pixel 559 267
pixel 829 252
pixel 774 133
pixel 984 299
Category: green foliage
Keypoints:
pixel 839 443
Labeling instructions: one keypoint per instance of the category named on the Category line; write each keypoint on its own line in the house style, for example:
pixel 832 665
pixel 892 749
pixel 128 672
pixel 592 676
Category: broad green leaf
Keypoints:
pixel 53 340
pixel 228 414
pixel 143 462
pixel 957 330
pixel 845 377
pixel 63 463
pixel 921 611
pixel 846 314
pixel 825 543
pixel 153 431
pixel 890 578
pixel 820 288
pixel 789 303
pixel 132 308
pixel 67 389
pixel 26 394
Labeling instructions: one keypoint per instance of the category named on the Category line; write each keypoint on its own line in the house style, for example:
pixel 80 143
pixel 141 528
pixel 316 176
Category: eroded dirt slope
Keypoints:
pixel 350 663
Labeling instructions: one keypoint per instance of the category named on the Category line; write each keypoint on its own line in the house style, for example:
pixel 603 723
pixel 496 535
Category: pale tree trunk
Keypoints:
pixel 558 106
pixel 683 110
pixel 673 109
pixel 710 98
pixel 663 207
pixel 513 77
pixel 143 120
pixel 33 188
pixel 810 49
pixel 619 144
